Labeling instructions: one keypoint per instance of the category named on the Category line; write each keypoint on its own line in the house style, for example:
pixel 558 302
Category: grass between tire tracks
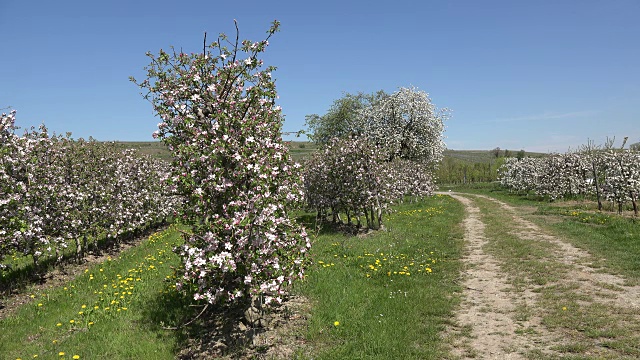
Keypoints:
pixel 391 293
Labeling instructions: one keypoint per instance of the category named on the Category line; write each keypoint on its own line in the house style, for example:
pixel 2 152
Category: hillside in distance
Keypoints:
pixel 303 149
pixel 485 156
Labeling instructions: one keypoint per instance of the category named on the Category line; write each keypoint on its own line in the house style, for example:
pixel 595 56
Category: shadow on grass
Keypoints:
pixel 327 227
pixel 202 333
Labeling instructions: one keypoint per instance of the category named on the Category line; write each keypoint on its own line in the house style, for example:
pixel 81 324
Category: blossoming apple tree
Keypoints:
pixel 220 120
pixel 375 150
pixel 608 172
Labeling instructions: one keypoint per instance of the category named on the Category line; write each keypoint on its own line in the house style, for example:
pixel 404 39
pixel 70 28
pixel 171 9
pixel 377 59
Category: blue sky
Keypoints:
pixel 534 75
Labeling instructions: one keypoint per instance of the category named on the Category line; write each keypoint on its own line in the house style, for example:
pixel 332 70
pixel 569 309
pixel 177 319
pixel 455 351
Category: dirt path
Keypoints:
pixel 490 324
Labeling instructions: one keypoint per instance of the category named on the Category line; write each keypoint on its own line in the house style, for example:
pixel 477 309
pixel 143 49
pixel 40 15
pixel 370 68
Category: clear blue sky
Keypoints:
pixel 534 75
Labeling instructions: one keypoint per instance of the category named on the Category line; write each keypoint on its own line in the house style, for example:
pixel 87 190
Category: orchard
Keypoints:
pixel 603 172
pixel 59 193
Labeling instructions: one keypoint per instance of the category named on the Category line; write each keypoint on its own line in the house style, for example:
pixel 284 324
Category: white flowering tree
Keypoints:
pixel 376 149
pixel 347 176
pixel 221 122
pixel 622 180
pixel 11 155
pixel 407 124
pixel 342 119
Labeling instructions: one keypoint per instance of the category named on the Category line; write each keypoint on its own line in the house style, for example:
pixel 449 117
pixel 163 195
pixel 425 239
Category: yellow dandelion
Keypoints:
pixel 76 356
pixel 59 324
pixel 336 323
pixel 61 353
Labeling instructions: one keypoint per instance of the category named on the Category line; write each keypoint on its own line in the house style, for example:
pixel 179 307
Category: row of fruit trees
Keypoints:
pixel 58 193
pixel 605 173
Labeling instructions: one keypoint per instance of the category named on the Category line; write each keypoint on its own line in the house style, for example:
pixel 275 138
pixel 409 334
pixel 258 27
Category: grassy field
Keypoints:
pixel 386 294
pixel 99 313
pixel 389 294
pixel 154 148
pixel 591 328
pixel 603 233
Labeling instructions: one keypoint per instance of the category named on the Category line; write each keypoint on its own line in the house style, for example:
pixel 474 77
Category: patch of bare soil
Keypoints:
pixel 237 334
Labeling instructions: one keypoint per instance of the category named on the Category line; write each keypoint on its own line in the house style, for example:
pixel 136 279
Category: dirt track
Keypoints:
pixel 489 323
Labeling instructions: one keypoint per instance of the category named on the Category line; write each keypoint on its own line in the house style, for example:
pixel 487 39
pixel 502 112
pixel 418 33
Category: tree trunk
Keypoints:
pixel 372 218
pixel 78 248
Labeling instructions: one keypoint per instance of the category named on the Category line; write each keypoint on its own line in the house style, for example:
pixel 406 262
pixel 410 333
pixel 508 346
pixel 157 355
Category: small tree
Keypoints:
pixel 220 120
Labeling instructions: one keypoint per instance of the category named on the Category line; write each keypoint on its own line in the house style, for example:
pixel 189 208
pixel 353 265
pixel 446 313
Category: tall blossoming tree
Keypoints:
pixel 408 124
pixel 221 122
pixel 369 143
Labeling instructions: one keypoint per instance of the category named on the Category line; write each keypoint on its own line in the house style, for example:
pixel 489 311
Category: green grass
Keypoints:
pixel 389 294
pixel 108 312
pixel 22 272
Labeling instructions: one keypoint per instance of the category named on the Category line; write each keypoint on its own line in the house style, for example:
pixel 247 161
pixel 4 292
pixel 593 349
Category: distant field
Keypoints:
pixel 153 148
pixel 299 149
pixel 482 156
pixel 303 149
